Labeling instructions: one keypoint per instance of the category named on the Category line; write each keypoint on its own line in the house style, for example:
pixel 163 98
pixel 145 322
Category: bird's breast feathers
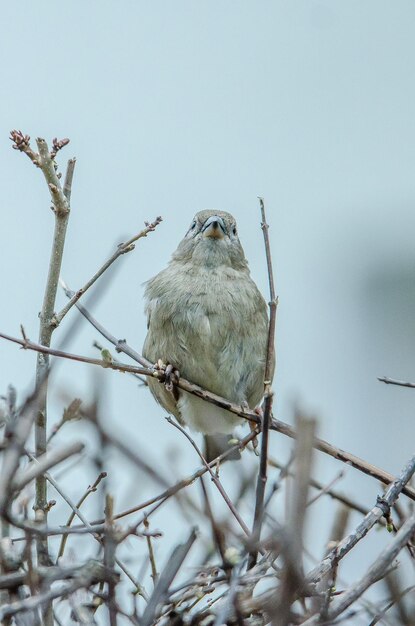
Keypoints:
pixel 212 325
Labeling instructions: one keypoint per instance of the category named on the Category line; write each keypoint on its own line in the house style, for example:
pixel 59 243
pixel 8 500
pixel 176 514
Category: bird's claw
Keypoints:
pixel 171 375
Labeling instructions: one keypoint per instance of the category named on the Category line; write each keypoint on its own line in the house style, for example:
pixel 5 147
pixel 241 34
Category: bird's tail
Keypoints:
pixel 215 445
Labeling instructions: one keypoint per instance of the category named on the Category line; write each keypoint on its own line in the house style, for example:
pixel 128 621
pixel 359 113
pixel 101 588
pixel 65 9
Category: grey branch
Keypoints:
pixel 91 573
pixel 381 507
pixel 166 578
pixel 374 573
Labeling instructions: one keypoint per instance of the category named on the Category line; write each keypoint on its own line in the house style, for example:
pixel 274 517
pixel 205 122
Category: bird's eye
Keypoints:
pixel 193 226
pixel 234 230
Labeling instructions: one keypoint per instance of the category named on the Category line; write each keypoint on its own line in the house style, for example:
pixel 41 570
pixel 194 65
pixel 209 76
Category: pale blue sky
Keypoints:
pixel 173 107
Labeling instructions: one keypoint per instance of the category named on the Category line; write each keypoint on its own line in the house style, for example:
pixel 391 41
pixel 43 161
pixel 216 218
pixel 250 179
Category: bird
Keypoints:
pixel 207 319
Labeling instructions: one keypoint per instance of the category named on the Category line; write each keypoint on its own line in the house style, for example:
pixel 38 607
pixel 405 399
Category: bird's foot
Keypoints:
pixel 171 375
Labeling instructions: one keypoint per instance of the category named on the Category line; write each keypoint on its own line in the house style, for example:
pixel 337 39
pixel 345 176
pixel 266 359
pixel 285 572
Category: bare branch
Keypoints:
pixel 269 365
pixel 382 507
pixel 166 578
pixel 277 425
pixel 213 476
pixel 110 546
pixel 123 248
pixel 89 574
pixel 392 381
pixel 374 573
pixel 262 479
pixel 91 489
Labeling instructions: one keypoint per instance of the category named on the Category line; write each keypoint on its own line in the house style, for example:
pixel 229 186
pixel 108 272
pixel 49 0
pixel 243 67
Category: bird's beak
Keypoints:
pixel 214 227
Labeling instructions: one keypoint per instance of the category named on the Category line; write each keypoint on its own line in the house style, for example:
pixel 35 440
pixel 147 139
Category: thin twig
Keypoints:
pixel 213 476
pixel 120 344
pixel 267 410
pixel 182 484
pixel 123 248
pixel 154 573
pixel 405 620
pixel 261 481
pixel 91 489
pixel 326 489
pixel 269 364
pixel 392 381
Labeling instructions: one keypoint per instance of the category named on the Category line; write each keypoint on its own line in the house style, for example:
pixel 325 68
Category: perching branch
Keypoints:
pixel 276 425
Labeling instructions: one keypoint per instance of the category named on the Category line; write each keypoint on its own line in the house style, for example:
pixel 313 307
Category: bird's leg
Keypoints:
pixel 255 428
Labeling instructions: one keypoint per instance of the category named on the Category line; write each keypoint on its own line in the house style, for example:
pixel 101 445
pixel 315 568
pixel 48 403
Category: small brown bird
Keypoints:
pixel 207 318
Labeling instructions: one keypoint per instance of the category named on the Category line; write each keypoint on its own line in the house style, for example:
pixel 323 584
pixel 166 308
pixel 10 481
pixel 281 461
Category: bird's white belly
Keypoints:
pixel 205 417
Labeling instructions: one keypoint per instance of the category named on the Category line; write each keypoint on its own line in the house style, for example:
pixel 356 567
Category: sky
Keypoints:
pixel 173 107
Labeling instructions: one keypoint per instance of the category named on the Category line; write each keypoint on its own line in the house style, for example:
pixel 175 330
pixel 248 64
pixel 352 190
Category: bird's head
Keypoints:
pixel 212 240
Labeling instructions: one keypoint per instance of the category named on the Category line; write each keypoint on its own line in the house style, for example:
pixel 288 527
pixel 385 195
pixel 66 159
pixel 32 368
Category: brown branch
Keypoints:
pixel 110 546
pixel 292 578
pixel 276 425
pixel 50 574
pixel 15 448
pixel 262 480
